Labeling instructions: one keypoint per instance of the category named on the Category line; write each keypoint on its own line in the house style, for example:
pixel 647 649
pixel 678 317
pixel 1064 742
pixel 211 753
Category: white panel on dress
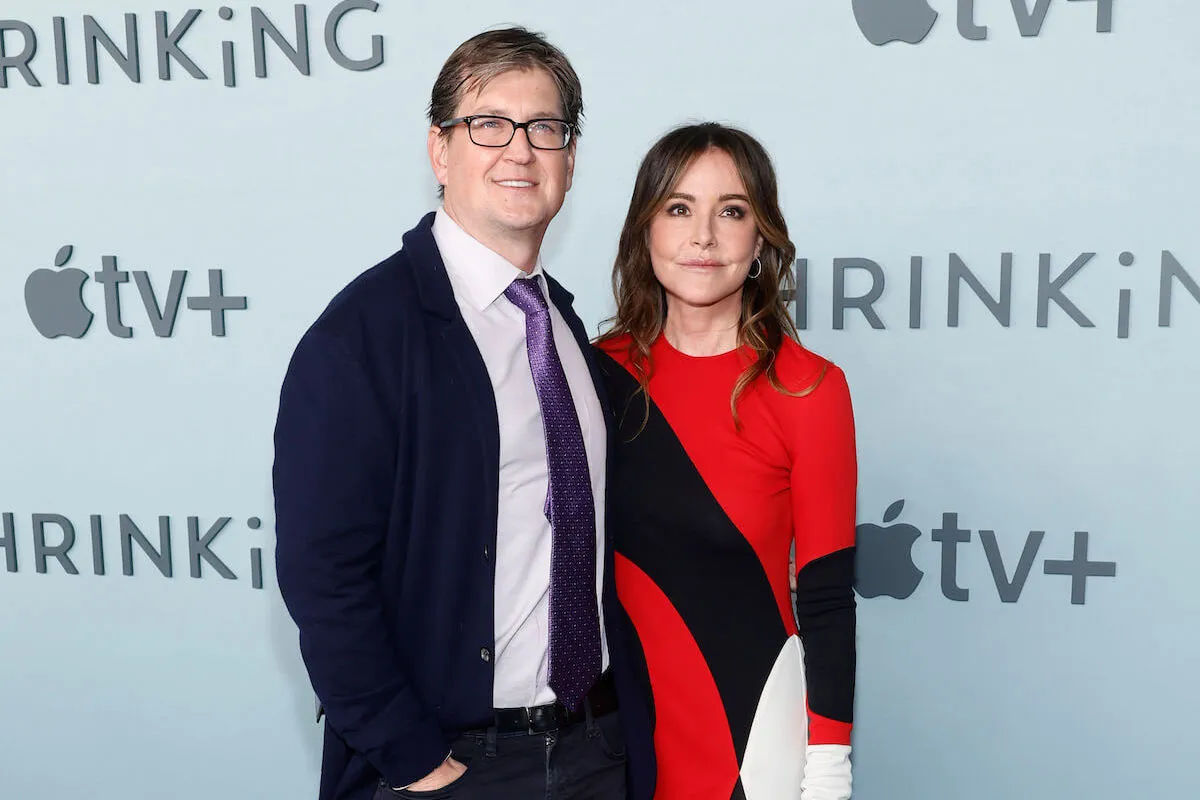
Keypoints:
pixel 773 766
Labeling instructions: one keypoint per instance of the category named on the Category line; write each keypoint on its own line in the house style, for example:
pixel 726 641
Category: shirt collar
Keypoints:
pixel 479 273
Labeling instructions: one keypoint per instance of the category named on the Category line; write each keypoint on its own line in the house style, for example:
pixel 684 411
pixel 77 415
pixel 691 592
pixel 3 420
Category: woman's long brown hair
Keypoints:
pixel 641 300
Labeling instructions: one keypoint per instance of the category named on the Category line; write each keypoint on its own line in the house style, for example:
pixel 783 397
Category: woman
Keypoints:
pixel 735 443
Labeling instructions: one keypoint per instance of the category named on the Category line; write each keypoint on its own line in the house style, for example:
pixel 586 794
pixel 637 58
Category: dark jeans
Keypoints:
pixel 585 761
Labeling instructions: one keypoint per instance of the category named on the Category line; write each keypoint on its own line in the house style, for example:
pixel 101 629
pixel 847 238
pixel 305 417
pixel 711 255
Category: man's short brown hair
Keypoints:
pixel 492 53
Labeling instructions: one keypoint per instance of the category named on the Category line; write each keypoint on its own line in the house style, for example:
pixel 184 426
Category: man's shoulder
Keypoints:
pixel 380 290
pixel 382 296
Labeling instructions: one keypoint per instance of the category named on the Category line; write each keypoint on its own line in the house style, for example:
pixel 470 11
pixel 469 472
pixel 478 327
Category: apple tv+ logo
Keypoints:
pixel 910 21
pixel 54 299
pixel 885 566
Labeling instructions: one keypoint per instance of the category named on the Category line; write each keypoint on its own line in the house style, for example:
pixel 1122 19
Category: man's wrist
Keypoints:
pixel 418 780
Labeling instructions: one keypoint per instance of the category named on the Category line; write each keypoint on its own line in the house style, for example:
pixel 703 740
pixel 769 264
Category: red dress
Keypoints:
pixel 703 516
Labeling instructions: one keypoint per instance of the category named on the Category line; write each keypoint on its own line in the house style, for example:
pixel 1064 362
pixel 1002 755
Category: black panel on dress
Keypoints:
pixel 663 517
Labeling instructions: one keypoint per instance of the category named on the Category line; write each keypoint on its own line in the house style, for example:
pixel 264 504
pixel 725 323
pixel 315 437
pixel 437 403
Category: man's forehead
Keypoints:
pixel 478 93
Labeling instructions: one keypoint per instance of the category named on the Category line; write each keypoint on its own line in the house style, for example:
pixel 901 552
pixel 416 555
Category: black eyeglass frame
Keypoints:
pixel 516 126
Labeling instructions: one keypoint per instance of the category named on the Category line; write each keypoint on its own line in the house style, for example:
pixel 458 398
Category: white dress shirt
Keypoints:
pixel 479 277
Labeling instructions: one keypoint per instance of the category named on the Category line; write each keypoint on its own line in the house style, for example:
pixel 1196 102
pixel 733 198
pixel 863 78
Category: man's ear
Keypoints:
pixel 570 164
pixel 438 145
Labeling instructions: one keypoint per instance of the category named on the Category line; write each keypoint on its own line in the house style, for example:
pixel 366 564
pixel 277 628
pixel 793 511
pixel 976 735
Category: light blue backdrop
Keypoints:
pixel 1043 147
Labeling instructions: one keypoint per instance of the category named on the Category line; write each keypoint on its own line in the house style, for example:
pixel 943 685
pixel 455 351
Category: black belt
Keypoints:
pixel 602 699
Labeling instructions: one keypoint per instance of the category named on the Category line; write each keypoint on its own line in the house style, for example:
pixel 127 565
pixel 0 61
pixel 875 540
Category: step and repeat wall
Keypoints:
pixel 995 208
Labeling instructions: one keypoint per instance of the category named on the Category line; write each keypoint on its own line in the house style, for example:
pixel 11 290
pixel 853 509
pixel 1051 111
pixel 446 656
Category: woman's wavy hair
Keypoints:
pixel 641 301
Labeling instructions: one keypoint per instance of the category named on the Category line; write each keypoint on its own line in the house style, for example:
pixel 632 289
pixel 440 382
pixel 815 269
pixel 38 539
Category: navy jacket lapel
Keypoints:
pixel 437 301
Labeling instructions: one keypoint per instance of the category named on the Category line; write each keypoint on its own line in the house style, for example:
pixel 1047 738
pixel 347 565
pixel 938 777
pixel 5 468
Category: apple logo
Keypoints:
pixel 54 300
pixel 883 21
pixel 883 557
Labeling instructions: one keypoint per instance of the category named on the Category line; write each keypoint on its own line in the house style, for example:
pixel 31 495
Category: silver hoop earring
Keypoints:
pixel 755 270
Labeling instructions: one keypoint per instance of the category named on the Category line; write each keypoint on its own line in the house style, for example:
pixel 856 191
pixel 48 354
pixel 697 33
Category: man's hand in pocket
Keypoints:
pixel 447 773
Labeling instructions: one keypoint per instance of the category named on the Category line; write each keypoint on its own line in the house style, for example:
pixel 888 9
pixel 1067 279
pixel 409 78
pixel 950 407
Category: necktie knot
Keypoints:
pixel 525 294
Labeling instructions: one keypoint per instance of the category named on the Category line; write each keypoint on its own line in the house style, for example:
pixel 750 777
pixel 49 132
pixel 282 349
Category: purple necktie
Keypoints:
pixel 574 617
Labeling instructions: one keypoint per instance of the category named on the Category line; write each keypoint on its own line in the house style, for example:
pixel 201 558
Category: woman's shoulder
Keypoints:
pixel 808 373
pixel 797 362
pixel 615 347
pixel 612 358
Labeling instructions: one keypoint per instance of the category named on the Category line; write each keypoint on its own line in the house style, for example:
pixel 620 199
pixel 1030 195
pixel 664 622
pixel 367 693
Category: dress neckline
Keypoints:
pixel 663 348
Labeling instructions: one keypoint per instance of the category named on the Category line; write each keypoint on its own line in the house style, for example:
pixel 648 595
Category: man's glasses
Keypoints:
pixel 486 131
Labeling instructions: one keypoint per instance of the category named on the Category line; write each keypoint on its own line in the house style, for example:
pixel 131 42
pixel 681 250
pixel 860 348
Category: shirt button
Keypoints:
pixel 487 553
pixel 485 654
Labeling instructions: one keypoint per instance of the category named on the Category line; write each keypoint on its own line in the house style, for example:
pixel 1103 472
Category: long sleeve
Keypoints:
pixel 824 484
pixel 334 472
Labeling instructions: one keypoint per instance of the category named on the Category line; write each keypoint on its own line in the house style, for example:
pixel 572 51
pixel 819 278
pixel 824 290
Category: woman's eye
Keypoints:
pixel 677 210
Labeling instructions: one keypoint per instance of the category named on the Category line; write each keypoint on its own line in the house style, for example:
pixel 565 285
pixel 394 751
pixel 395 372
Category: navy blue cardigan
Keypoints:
pixel 386 485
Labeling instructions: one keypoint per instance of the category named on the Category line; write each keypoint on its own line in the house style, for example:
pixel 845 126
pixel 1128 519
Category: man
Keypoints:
pixel 440 475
